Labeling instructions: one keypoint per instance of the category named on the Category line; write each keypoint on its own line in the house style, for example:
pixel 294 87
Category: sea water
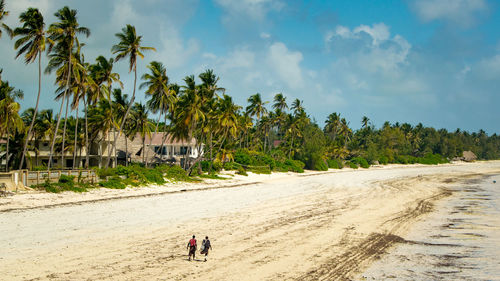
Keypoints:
pixel 460 240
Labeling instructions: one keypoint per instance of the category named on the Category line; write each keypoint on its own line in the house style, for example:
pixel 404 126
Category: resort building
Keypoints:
pixel 161 147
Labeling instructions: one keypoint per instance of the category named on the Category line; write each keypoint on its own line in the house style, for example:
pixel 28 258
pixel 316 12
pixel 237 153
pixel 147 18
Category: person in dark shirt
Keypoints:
pixel 205 246
pixel 192 247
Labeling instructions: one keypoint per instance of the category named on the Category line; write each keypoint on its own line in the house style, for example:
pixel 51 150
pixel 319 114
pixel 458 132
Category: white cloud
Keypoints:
pixel 286 64
pixel 253 9
pixel 462 12
pixel 174 51
pixel 265 35
pixel 489 68
pixel 379 32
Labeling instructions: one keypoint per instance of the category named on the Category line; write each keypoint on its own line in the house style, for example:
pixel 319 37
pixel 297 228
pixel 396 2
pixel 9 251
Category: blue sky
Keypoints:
pixel 430 61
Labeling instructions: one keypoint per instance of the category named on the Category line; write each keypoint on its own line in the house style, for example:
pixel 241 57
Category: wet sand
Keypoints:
pixel 315 226
pixel 459 241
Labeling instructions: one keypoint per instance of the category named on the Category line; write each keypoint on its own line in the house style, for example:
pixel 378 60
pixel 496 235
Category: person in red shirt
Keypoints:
pixel 192 247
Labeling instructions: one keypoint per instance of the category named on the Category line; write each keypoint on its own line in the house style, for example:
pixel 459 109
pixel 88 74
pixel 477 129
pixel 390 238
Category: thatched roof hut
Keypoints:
pixel 469 156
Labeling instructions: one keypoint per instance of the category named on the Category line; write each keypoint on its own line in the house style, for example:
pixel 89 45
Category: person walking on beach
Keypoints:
pixel 205 246
pixel 192 247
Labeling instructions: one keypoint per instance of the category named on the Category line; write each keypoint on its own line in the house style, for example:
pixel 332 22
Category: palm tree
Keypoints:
pixel 364 121
pixel 297 107
pixel 9 114
pixel 161 97
pixel 119 108
pixel 103 74
pixel 129 46
pixel 280 102
pixel 141 124
pixel 3 14
pixel 188 113
pixel 256 107
pixel 32 43
pixel 64 33
pixel 101 117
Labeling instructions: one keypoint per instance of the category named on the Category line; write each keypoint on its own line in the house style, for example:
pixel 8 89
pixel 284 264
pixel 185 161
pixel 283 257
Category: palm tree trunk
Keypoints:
pixel 151 139
pixel 100 152
pixel 64 134
pixel 126 150
pixel 7 152
pixel 113 149
pixel 112 121
pixel 76 134
pixel 163 141
pixel 143 149
pixel 36 109
pixel 60 110
pixel 85 102
pixel 131 102
pixel 211 152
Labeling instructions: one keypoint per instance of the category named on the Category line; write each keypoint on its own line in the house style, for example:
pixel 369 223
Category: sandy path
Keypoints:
pixel 304 227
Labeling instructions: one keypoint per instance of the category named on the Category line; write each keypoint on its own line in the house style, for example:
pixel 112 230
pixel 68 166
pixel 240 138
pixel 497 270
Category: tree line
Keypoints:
pixel 203 111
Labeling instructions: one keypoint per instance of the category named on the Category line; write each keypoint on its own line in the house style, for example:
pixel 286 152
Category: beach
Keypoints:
pixel 335 225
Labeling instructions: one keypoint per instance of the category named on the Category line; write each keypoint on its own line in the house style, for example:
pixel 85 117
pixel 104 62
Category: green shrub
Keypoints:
pixel 67 179
pixel 113 183
pixel 231 166
pixel 335 163
pixel 360 161
pixel 217 165
pixel 259 169
pixel 176 173
pixel 296 166
pixel 103 173
pixel 243 157
pixel 432 159
pixel 352 165
pixel 242 171
pixel 384 160
pixel 320 166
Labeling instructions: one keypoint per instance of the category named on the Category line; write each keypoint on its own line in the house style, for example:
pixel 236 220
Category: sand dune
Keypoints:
pixel 313 226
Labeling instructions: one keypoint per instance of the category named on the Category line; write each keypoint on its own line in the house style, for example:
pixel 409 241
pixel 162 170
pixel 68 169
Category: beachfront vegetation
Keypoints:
pixel 261 136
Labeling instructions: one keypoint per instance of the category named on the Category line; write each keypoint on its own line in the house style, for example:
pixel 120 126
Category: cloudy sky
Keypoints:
pixel 430 61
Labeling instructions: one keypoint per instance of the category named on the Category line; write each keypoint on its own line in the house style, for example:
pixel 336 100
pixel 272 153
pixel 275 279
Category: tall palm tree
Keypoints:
pixel 120 104
pixel 11 122
pixel 141 124
pixel 129 46
pixel 31 43
pixel 101 118
pixel 256 107
pixel 161 97
pixel 64 34
pixel 103 74
pixel 3 15
pixel 280 102
pixel 364 121
pixel 297 107
pixel 189 112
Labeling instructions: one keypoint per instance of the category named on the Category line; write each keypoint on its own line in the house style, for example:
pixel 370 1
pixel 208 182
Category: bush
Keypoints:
pixel 242 157
pixel 113 183
pixel 384 160
pixel 335 163
pixel 217 165
pixel 432 159
pixel 320 166
pixel 259 169
pixel 175 172
pixel 67 179
pixel 352 165
pixel 103 173
pixel 296 166
pixel 242 171
pixel 360 161
pixel 231 166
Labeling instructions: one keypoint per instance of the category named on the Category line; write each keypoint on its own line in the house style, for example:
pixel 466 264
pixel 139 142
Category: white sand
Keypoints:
pixel 312 226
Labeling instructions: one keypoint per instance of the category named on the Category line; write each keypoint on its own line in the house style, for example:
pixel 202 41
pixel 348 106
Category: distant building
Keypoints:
pixel 101 150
